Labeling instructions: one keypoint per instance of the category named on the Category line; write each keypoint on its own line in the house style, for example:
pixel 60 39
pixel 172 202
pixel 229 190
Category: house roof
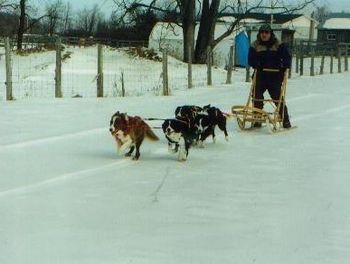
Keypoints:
pixel 165 30
pixel 338 15
pixel 278 18
pixel 337 23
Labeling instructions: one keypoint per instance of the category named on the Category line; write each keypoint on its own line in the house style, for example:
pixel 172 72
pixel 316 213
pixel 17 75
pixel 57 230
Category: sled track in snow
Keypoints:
pixel 63 178
pixel 39 141
pixel 325 112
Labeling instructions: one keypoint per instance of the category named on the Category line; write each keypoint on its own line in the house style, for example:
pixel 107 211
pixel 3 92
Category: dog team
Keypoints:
pixel 192 125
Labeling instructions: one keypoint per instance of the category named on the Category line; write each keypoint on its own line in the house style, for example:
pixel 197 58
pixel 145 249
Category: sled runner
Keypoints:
pixel 248 115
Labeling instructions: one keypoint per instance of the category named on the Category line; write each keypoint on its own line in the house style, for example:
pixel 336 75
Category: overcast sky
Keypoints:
pixel 107 5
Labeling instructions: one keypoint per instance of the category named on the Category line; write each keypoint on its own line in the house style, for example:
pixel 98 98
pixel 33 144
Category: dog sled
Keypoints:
pixel 247 115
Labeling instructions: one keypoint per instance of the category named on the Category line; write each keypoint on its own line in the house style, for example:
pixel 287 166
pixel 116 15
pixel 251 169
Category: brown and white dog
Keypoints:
pixel 129 132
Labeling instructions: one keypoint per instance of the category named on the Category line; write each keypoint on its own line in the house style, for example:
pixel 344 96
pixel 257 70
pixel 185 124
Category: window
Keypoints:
pixel 331 37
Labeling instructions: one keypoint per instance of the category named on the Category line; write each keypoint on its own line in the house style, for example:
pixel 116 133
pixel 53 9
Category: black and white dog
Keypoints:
pixel 205 123
pixel 178 133
pixel 188 113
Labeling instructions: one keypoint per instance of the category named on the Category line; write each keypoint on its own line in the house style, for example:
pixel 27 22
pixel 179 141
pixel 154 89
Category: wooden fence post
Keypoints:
pixel 8 60
pixel 346 57
pixel 322 62
pixel 209 66
pixel 230 67
pixel 189 75
pixel 331 62
pixel 99 71
pixel 339 58
pixel 312 66
pixel 58 70
pixel 165 74
pixel 301 61
pixel 297 59
pixel 123 84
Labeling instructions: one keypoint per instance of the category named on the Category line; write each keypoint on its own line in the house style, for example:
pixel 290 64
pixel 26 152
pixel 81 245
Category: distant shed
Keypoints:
pixel 335 30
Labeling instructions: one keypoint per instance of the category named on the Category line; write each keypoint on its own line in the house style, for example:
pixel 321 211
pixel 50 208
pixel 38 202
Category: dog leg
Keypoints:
pixel 130 151
pixel 205 135
pixel 118 144
pixel 126 144
pixel 182 150
pixel 200 144
pixel 171 149
pixel 222 126
pixel 213 135
pixel 137 145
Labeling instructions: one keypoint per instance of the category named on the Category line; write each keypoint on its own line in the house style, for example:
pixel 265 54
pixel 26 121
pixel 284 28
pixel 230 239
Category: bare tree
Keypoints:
pixel 209 12
pixel 21 26
pixel 187 10
pixel 181 12
pixel 67 23
pixel 206 29
pixel 321 13
pixel 54 15
pixel 88 20
pixel 7 5
pixel 25 21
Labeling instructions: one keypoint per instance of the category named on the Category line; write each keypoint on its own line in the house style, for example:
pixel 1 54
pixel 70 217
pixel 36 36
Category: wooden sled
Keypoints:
pixel 247 115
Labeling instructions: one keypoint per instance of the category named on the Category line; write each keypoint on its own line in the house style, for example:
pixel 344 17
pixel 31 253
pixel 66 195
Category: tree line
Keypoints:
pixel 134 19
pixel 21 17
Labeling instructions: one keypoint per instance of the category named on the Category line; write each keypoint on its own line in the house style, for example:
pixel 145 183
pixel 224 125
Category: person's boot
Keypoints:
pixel 286 124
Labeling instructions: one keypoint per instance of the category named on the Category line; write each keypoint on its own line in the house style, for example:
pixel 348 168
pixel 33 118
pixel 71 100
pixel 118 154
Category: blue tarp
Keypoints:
pixel 242 48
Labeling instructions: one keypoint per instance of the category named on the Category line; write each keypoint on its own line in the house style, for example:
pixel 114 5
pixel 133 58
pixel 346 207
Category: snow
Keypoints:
pixel 337 23
pixel 66 196
pixel 169 36
pixel 34 75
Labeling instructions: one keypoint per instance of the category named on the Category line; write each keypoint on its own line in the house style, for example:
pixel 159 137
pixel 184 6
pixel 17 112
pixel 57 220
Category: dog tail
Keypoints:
pixel 150 134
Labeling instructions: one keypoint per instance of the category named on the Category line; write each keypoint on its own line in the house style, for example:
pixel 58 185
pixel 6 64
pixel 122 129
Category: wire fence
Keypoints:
pixel 126 71
pixel 77 69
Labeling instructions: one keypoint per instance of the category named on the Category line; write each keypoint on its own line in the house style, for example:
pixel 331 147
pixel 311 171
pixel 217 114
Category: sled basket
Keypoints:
pixel 248 115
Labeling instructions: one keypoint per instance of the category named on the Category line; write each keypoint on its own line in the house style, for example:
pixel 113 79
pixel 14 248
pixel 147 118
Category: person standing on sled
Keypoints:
pixel 270 59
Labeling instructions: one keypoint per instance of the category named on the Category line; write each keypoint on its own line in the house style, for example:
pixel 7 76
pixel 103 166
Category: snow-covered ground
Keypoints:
pixel 34 74
pixel 66 196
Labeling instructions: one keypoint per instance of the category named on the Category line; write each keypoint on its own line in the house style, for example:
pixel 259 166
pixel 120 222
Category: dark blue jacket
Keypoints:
pixel 275 56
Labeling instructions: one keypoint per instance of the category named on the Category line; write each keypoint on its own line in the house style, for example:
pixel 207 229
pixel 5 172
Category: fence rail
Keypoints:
pixel 313 50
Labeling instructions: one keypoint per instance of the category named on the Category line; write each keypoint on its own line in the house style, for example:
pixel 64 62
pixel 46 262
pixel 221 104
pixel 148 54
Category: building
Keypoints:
pixel 286 28
pixel 169 36
pixel 335 29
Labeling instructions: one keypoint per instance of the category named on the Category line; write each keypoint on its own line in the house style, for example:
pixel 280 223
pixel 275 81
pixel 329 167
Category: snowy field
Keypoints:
pixel 34 74
pixel 66 196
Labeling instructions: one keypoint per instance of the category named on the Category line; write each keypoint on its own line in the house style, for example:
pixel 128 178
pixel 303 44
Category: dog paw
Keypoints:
pixel 226 138
pixel 172 151
pixel 200 144
pixel 182 156
pixel 135 158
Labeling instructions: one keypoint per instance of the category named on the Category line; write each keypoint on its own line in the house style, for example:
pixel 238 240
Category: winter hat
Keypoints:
pixel 265 27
